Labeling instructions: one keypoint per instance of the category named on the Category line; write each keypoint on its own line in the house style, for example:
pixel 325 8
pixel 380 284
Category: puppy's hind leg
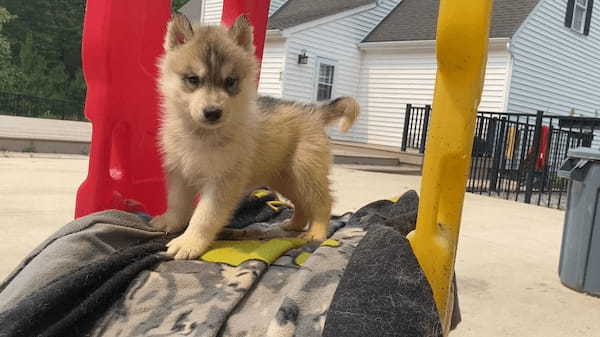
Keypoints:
pixel 318 202
pixel 311 185
pixel 287 187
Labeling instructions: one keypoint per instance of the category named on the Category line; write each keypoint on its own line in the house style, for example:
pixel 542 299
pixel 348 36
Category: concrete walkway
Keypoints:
pixel 506 267
pixel 44 129
pixel 44 135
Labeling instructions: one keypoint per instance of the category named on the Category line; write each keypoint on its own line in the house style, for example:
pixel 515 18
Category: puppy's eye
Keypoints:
pixel 193 80
pixel 230 82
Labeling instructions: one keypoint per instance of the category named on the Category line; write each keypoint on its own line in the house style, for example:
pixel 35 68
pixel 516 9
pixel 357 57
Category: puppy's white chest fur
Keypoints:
pixel 212 156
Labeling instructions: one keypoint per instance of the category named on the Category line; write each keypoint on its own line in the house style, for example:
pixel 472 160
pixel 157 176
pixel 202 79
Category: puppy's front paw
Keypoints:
pixel 187 247
pixel 291 226
pixel 314 235
pixel 167 223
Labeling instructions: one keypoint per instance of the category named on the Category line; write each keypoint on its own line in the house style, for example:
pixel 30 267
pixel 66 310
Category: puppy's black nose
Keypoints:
pixel 212 113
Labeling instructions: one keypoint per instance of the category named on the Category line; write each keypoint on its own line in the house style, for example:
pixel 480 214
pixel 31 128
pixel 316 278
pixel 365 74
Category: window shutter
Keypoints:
pixel 588 18
pixel 569 15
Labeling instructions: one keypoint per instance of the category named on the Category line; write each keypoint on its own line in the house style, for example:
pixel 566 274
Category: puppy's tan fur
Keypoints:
pixel 256 142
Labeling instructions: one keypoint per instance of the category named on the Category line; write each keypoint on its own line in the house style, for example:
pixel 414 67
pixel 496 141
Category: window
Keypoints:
pixel 579 15
pixel 325 80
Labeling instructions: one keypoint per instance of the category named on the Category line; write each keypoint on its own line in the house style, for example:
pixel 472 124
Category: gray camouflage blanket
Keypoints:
pixel 103 275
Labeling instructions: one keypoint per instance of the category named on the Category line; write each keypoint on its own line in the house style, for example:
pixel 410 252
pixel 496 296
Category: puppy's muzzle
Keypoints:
pixel 212 114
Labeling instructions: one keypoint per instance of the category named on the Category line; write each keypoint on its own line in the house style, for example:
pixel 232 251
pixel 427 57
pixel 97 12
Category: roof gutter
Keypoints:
pixel 274 34
pixel 420 44
pixel 499 42
pixel 392 45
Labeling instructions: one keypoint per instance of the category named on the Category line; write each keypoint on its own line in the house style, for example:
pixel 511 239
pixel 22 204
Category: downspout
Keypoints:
pixel 509 70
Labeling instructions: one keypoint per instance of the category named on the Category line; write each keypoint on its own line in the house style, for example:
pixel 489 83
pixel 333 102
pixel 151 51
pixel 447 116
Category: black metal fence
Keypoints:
pixel 515 155
pixel 28 106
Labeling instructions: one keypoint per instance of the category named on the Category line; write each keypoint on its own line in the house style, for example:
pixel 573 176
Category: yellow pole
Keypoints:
pixel 462 41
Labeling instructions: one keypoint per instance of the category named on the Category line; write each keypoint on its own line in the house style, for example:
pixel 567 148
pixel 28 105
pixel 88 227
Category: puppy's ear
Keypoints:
pixel 179 31
pixel 241 31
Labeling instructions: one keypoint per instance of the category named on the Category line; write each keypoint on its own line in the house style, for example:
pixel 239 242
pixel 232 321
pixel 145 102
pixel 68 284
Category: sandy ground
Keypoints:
pixel 506 265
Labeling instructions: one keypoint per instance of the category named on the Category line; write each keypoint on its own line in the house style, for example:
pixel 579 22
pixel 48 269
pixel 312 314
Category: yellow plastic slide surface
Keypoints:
pixel 462 41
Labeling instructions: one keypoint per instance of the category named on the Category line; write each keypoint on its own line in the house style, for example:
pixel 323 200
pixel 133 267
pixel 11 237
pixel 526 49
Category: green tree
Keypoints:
pixel 34 71
pixel 76 88
pixel 8 72
pixel 39 78
pixel 55 27
pixel 44 39
pixel 177 4
pixel 5 17
pixel 45 36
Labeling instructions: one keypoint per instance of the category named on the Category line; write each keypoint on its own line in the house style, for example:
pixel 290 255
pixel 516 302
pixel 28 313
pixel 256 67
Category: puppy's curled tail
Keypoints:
pixel 346 109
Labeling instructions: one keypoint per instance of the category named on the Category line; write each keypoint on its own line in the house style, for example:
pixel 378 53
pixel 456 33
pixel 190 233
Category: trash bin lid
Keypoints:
pixel 585 153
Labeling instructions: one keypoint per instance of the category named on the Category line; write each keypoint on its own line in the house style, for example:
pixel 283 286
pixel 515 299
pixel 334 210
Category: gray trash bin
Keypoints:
pixel 579 265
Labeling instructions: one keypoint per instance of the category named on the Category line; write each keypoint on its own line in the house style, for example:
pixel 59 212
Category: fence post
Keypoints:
pixel 546 178
pixel 406 125
pixel 425 127
pixel 490 136
pixel 536 152
pixel 497 154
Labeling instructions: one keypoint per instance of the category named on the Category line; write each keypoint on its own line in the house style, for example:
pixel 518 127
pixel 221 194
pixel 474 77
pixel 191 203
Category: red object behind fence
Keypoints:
pixel 121 42
pixel 543 152
pixel 542 157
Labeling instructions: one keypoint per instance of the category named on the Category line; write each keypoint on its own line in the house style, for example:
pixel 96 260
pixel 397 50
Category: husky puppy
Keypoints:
pixel 220 140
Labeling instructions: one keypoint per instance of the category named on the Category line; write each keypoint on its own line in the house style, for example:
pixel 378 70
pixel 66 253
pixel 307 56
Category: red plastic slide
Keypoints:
pixel 121 42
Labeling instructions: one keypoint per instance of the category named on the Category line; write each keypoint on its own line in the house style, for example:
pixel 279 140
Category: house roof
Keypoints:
pixel 415 20
pixel 295 12
pixel 192 10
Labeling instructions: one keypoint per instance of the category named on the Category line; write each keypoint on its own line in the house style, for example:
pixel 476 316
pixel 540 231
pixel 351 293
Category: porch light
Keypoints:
pixel 302 58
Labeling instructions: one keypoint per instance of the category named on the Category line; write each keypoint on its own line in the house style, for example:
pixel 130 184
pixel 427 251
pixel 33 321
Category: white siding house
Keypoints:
pixel 272 68
pixel 399 66
pixel 275 5
pixel 211 11
pixel 382 52
pixel 555 68
pixel 395 74
pixel 333 41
